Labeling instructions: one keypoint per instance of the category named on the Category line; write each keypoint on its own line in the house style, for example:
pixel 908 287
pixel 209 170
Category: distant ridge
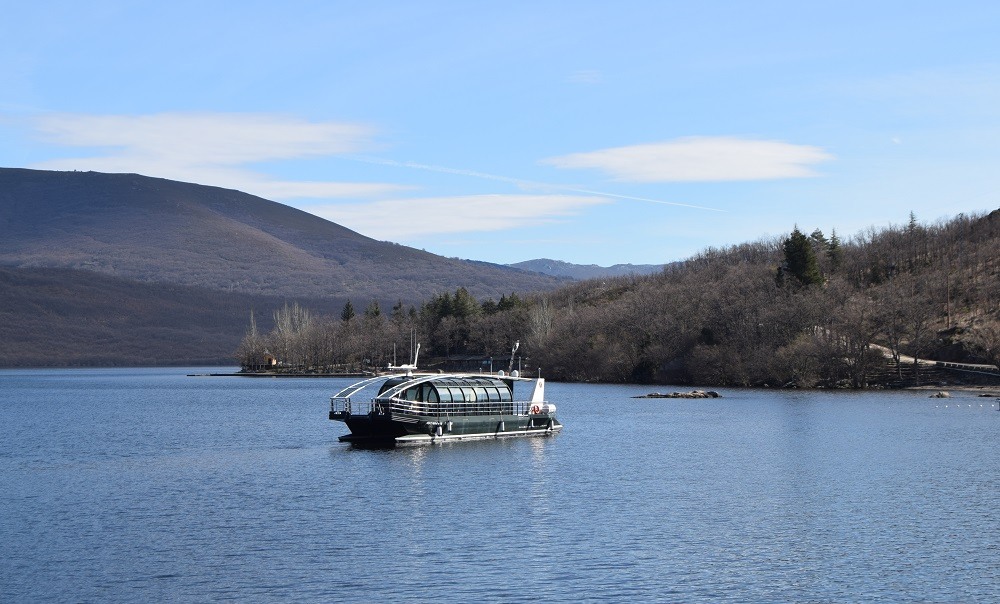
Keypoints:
pixel 579 272
pixel 158 230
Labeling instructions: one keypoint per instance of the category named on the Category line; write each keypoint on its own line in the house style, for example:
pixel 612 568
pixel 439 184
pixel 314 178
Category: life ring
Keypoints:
pixel 535 410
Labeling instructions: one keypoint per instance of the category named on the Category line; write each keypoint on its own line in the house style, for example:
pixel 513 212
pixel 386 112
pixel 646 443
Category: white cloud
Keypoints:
pixel 209 148
pixel 226 138
pixel 278 189
pixel 410 220
pixel 700 159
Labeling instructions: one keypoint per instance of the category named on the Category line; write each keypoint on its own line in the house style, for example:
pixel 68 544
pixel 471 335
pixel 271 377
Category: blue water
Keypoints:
pixel 143 485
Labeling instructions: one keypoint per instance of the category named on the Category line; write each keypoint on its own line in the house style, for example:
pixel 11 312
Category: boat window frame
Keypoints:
pixel 430 394
pixel 482 394
pixel 444 394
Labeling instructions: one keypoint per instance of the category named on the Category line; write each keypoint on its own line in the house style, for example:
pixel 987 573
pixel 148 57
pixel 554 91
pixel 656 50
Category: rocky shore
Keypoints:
pixel 692 394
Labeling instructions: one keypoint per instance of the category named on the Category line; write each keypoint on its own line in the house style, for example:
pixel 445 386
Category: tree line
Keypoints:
pixel 805 310
pixel 448 324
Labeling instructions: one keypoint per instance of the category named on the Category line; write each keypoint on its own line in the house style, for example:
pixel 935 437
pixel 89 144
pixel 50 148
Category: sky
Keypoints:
pixel 588 132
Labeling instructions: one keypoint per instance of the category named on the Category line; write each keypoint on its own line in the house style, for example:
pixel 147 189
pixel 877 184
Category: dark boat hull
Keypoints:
pixel 385 430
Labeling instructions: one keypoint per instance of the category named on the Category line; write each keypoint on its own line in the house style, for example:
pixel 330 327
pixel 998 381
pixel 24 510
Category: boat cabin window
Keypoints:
pixel 421 392
pixel 456 390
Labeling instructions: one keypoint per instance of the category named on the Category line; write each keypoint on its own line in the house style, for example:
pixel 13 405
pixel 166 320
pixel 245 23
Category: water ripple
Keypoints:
pixel 167 488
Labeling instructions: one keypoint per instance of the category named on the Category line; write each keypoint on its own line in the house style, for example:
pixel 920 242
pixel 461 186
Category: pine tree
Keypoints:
pixel 348 313
pixel 819 240
pixel 800 260
pixel 834 251
pixel 463 305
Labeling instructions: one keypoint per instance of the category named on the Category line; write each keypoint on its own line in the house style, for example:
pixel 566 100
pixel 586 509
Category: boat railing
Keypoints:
pixel 422 409
pixel 344 405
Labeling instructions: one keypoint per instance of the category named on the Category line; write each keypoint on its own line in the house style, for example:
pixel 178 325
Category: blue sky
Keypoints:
pixel 590 132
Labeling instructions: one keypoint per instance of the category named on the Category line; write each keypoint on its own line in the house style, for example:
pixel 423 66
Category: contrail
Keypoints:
pixel 516 181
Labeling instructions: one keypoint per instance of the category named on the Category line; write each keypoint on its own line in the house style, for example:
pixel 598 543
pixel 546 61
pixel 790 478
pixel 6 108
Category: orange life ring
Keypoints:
pixel 535 410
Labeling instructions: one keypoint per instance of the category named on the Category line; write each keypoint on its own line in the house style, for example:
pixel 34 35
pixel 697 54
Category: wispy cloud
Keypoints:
pixel 410 220
pixel 220 150
pixel 700 159
pixel 519 182
pixel 209 148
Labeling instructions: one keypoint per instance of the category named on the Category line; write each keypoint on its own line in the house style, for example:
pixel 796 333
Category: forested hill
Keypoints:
pixel 804 310
pixel 156 230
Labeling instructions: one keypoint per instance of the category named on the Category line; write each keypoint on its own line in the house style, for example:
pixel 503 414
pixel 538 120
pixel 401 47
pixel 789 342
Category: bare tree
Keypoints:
pixel 252 349
pixel 984 338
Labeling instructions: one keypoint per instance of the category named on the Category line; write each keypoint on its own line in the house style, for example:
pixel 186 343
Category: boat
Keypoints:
pixel 412 408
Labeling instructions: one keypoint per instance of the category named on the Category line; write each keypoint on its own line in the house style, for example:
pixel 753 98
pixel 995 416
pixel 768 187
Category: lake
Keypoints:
pixel 147 484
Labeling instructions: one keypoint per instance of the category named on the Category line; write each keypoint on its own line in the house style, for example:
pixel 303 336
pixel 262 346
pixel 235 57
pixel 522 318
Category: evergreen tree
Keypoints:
pixel 834 251
pixel 463 305
pixel 398 311
pixel 507 303
pixel 819 240
pixel 441 305
pixel 489 307
pixel 348 313
pixel 800 261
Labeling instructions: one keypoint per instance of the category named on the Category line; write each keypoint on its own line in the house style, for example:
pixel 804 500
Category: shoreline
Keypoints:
pixel 985 391
pixel 282 375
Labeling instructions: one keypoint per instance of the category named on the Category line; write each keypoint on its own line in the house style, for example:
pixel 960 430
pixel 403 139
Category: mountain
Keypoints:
pixel 80 318
pixel 580 272
pixel 157 230
pixel 123 269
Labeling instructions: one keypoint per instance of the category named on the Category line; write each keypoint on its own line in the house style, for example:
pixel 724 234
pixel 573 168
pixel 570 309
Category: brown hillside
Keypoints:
pixel 157 230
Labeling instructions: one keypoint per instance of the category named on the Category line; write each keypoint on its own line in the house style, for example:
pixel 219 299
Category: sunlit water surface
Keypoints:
pixel 146 484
